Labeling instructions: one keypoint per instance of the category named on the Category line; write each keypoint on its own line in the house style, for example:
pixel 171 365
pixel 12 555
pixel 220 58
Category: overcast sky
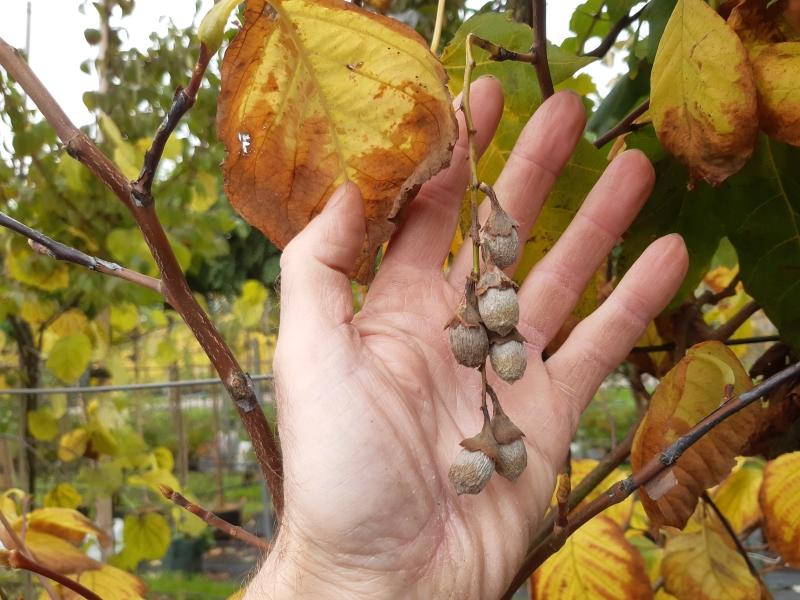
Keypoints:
pixel 58 45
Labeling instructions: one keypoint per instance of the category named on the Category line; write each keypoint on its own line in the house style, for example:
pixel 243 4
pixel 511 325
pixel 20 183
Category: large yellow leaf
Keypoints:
pixel 595 562
pixel 72 444
pixel 705 565
pixel 65 523
pixel 737 497
pixel 42 424
pixel 69 357
pixel 54 552
pixel 703 99
pixel 690 391
pixel 780 501
pixel 109 583
pixel 315 93
pixel 777 74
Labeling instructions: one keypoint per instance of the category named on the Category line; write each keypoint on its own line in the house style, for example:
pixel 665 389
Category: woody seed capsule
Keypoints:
pixel 497 301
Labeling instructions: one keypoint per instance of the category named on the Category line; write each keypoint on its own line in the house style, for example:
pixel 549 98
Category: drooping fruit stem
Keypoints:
pixel 474 184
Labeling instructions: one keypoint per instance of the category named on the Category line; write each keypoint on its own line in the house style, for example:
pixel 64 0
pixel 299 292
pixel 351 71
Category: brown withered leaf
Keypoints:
pixel 757 23
pixel 703 98
pixel 315 93
pixel 690 391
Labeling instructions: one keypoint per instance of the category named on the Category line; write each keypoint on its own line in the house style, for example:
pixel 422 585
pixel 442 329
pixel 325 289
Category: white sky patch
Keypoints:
pixel 58 45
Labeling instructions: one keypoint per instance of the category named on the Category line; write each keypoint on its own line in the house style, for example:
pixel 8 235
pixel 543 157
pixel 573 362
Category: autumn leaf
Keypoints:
pixel 737 496
pixel 777 75
pixel 42 424
pixel 595 562
pixel 758 22
pixel 54 552
pixel 705 565
pixel 318 93
pixel 65 523
pixel 69 357
pixel 109 583
pixel 146 537
pixel 690 391
pixel 780 502
pixel 703 98
pixel 73 444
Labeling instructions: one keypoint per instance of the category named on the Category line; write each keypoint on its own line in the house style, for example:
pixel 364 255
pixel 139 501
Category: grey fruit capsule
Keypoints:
pixel 470 471
pixel 502 249
pixel 509 359
pixel 512 459
pixel 470 345
pixel 499 309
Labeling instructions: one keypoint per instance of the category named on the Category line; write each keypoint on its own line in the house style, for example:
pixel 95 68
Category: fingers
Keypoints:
pixel 315 290
pixel 424 239
pixel 555 284
pixel 542 150
pixel 602 340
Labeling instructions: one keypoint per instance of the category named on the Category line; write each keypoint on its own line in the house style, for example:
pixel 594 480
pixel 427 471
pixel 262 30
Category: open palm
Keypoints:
pixel 372 406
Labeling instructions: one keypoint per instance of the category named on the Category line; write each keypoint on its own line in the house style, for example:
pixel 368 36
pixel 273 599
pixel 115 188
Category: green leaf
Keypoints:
pixel 124 317
pixel 761 214
pixel 146 537
pixel 212 27
pixel 674 209
pixel 69 357
pixel 42 424
pixel 249 306
pixel 64 495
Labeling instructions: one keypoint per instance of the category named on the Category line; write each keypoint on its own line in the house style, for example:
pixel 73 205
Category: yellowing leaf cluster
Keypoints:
pixel 715 82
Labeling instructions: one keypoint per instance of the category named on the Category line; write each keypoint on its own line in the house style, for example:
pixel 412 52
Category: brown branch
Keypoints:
pixel 611 37
pixel 727 525
pixel 711 297
pixel 539 17
pixel 586 485
pixel 500 54
pixel 727 329
pixel 182 101
pixel 626 125
pixel 49 247
pixel 756 339
pixel 17 560
pixel 655 467
pixel 214 520
pixel 176 289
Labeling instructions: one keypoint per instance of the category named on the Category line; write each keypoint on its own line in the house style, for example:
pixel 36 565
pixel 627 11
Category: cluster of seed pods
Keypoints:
pixel 485 326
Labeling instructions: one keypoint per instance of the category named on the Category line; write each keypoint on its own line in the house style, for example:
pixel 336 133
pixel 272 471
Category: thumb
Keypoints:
pixel 315 287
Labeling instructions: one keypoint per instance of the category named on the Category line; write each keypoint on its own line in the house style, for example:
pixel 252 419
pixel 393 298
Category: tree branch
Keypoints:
pixel 214 520
pixel 17 560
pixel 727 329
pixel 23 549
pixel 45 245
pixel 727 525
pixel 183 100
pixel 611 37
pixel 756 339
pixel 176 289
pixel 539 14
pixel 655 467
pixel 499 54
pixel 626 125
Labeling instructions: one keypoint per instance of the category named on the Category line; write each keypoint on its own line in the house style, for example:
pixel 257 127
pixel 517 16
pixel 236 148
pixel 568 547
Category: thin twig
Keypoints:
pixel 595 18
pixel 176 289
pixel 539 14
pixel 214 520
pixel 473 159
pixel 42 244
pixel 626 125
pixel 756 339
pixel 611 37
pixel 182 101
pixel 655 467
pixel 727 329
pixel 712 297
pixel 500 54
pixel 727 525
pixel 437 27
pixel 17 560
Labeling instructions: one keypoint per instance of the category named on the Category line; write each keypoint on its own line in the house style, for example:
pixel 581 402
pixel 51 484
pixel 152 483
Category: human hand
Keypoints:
pixel 372 406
